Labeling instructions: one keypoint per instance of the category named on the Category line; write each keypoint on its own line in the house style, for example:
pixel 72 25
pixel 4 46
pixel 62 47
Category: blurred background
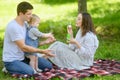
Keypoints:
pixel 55 15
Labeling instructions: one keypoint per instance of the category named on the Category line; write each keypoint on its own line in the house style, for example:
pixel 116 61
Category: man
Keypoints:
pixel 14 44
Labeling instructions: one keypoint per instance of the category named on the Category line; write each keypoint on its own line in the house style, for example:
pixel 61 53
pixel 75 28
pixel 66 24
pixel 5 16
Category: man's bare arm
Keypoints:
pixel 21 44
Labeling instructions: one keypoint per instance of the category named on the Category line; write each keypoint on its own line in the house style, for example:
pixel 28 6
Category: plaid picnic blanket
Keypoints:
pixel 100 67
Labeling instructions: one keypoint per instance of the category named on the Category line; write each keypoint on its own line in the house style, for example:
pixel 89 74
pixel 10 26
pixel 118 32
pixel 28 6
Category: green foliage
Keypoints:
pixel 58 28
pixel 57 14
pixel 1 42
pixel 54 2
pixel 105 16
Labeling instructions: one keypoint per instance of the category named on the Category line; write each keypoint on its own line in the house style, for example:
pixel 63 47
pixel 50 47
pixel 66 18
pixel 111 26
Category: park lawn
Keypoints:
pixel 55 17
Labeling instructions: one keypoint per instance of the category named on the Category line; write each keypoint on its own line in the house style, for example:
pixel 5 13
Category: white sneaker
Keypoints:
pixel 39 70
pixel 34 71
pixel 4 70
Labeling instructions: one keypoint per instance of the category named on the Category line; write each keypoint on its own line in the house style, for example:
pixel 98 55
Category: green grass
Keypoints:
pixel 108 49
pixel 113 77
pixel 56 15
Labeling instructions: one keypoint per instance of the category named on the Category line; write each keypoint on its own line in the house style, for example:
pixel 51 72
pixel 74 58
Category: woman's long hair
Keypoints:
pixel 87 24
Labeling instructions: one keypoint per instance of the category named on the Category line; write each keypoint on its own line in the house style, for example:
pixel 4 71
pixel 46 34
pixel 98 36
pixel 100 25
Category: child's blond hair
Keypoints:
pixel 33 18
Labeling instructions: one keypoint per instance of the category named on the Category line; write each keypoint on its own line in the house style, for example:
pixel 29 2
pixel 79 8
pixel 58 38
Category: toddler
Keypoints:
pixel 33 36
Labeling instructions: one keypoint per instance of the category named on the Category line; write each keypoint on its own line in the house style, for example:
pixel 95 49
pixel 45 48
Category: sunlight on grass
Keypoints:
pixel 47 12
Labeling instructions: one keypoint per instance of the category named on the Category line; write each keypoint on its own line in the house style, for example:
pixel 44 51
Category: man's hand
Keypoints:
pixel 47 52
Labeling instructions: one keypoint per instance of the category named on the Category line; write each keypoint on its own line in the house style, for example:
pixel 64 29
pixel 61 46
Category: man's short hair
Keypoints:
pixel 23 7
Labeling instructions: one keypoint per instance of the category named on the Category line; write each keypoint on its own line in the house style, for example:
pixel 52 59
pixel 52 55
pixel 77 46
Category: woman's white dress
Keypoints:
pixel 71 57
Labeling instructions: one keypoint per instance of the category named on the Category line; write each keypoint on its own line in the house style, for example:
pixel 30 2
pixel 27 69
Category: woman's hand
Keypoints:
pixel 70 31
pixel 73 41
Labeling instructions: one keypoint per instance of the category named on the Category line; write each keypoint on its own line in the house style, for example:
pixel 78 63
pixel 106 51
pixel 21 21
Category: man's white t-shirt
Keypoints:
pixel 13 32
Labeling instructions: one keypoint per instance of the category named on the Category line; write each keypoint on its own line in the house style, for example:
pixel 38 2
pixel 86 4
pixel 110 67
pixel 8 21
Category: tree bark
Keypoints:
pixel 82 6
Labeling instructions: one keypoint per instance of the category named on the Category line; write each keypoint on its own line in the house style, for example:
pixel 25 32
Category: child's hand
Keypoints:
pixel 50 35
pixel 50 40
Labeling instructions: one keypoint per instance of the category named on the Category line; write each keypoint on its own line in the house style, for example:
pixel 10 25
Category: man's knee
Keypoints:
pixel 29 71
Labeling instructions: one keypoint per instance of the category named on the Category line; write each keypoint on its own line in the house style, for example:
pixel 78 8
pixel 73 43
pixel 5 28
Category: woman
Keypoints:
pixel 79 54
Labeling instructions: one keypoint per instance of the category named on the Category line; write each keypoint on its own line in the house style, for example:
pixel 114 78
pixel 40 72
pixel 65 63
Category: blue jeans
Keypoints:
pixel 22 67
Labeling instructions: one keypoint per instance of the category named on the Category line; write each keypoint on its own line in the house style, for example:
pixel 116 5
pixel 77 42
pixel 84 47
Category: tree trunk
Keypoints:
pixel 82 6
